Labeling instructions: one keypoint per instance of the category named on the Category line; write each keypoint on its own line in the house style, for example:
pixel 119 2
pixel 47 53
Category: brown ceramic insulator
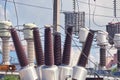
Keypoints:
pixel 38 47
pixel 19 49
pixel 102 57
pixel 48 49
pixel 118 58
pixel 57 48
pixel 86 50
pixel 67 47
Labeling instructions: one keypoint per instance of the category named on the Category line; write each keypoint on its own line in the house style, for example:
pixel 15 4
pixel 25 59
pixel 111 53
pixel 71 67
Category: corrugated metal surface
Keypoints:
pixel 76 19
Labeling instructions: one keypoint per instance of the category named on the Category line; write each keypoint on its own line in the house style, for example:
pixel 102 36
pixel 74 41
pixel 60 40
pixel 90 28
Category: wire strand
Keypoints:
pixel 30 5
pixel 97 5
pixel 17 19
pixel 94 17
pixel 5 12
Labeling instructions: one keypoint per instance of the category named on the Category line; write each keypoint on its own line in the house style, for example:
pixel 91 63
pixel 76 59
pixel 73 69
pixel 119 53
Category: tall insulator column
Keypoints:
pixel 57 49
pixel 102 57
pixel 28 36
pixel 5 35
pixel 65 71
pixel 86 50
pixel 19 49
pixel 49 57
pixel 79 71
pixel 102 41
pixel 27 72
pixel 38 47
pixel 67 46
pixel 38 52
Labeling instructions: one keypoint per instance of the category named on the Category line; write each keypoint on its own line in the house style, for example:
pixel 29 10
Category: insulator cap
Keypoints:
pixel 102 37
pixel 28 32
pixel 4 26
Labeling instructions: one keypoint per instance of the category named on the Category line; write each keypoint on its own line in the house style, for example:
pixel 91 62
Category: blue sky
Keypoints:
pixel 41 16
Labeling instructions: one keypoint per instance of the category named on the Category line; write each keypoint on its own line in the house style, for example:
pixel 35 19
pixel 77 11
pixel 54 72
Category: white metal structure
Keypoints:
pixel 50 73
pixel 83 33
pixel 28 73
pixel 79 73
pixel 102 37
pixel 65 72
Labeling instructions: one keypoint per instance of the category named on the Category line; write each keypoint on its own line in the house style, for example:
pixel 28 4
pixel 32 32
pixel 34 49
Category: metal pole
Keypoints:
pixel 56 15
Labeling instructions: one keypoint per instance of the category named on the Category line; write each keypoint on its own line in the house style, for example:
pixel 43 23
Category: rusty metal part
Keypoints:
pixel 7 67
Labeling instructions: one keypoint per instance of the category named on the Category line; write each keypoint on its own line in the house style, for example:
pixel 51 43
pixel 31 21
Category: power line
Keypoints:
pixel 5 13
pixel 105 16
pixel 16 12
pixel 101 15
pixel 97 5
pixel 30 5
